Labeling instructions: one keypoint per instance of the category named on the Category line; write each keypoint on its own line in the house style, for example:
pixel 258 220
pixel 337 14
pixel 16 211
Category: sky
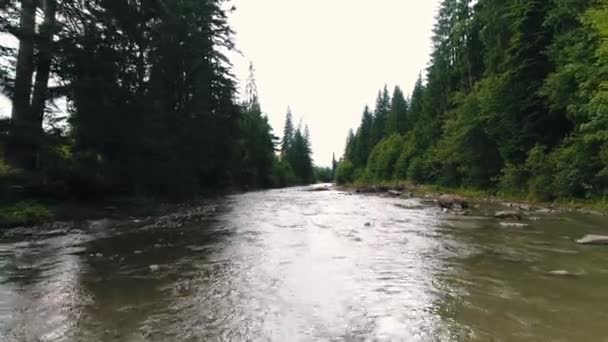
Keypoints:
pixel 327 59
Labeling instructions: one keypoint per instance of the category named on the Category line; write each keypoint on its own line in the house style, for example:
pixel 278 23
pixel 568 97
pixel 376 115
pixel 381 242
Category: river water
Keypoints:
pixel 294 265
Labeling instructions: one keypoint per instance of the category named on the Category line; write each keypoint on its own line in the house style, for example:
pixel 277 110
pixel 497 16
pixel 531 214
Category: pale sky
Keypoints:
pixel 327 59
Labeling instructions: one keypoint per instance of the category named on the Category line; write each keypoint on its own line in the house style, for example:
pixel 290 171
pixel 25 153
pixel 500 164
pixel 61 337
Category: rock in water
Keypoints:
pixel 561 273
pixel 395 193
pixel 452 202
pixel 593 240
pixel 513 225
pixel 319 188
pixel 509 214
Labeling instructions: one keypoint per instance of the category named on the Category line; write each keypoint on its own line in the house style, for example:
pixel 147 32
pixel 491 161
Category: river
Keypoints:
pixel 294 265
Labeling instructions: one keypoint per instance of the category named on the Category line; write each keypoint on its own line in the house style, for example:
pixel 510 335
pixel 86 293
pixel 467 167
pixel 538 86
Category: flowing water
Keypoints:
pixel 294 265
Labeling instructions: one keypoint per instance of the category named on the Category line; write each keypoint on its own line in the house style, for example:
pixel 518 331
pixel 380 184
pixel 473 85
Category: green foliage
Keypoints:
pixel 397 121
pixel 285 175
pixel 417 170
pixel 24 213
pixel 515 98
pixel 324 175
pixel 381 164
pixel 345 173
pixel 296 152
pixel 151 102
pixel 256 157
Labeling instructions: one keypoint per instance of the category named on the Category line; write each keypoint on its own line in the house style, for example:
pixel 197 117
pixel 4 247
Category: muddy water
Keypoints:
pixel 292 265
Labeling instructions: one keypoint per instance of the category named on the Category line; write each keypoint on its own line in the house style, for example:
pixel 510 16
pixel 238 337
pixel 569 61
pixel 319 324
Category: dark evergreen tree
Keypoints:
pixel 397 117
pixel 383 104
pixel 288 133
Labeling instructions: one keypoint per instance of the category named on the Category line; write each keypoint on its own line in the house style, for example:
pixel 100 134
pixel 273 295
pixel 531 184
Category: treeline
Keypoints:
pixel 151 103
pixel 515 99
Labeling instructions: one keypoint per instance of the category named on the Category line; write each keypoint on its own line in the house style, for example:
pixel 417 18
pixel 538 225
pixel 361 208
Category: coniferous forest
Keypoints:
pixel 152 106
pixel 514 100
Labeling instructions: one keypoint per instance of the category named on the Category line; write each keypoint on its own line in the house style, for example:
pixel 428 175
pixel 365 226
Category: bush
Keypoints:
pixel 323 174
pixel 345 173
pixel 24 213
pixel 285 175
pixel 514 179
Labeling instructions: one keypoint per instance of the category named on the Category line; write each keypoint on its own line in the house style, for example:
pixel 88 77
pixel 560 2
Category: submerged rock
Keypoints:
pixel 591 239
pixel 561 273
pixel 508 214
pixel 513 225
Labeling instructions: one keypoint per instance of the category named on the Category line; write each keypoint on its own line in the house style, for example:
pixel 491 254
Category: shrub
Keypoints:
pixel 24 213
pixel 345 173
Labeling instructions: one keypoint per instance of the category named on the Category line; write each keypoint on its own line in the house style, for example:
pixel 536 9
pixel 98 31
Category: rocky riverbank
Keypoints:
pixel 161 216
pixel 453 199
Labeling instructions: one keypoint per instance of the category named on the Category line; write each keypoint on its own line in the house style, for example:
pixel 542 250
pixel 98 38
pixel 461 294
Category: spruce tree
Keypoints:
pixel 288 133
pixel 397 117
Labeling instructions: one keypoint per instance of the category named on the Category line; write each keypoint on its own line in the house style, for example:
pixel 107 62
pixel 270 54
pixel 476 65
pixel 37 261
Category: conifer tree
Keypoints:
pixel 397 117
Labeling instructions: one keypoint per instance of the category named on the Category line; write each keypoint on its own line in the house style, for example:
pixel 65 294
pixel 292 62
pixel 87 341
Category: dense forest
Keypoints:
pixel 514 100
pixel 152 106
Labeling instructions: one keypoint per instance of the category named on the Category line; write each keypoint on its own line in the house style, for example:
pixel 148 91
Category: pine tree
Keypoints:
pixel 334 165
pixel 288 133
pixel 383 103
pixel 397 117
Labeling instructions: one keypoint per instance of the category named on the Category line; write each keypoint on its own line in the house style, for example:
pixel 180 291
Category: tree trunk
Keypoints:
pixel 44 66
pixel 20 144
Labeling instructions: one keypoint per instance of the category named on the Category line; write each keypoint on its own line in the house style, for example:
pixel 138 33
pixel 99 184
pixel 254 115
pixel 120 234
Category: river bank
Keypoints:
pixel 598 206
pixel 55 216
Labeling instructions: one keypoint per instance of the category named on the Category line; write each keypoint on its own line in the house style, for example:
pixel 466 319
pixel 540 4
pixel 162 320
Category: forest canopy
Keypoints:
pixel 152 105
pixel 515 99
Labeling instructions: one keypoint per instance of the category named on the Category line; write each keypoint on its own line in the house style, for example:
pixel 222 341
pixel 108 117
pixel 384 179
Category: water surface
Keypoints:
pixel 293 265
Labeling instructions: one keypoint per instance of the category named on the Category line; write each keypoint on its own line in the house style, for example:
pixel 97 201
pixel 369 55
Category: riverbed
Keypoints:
pixel 296 265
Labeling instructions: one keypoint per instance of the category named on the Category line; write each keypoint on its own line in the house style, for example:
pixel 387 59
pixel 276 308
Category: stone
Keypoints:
pixel 508 214
pixel 395 193
pixel 513 225
pixel 452 202
pixel 591 239
pixel 561 273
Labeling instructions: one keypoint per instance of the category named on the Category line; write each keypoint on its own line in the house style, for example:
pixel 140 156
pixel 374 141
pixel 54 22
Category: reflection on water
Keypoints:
pixel 292 265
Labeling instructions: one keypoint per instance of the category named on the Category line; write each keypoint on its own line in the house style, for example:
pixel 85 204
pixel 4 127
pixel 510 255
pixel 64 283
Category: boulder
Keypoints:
pixel 513 225
pixel 508 214
pixel 319 188
pixel 593 240
pixel 452 202
pixel 395 193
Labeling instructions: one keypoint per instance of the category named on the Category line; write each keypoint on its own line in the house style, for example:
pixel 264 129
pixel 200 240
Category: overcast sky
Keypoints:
pixel 327 59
